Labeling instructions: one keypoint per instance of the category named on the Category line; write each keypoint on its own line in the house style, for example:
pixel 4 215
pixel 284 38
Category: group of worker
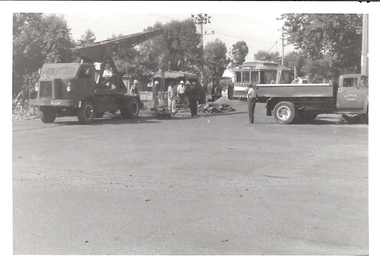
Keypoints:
pixel 189 94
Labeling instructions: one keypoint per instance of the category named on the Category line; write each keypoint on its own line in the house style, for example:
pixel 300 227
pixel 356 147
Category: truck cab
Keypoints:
pixel 352 94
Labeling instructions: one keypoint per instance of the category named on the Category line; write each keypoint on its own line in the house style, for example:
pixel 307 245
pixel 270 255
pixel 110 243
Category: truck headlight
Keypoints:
pixel 68 88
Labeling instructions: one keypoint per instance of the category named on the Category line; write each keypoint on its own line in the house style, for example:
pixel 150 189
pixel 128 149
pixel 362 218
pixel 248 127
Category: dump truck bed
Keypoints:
pixel 295 90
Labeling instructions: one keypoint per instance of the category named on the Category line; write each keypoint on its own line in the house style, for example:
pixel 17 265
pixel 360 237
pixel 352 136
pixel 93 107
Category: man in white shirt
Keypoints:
pixel 181 92
pixel 172 98
pixel 251 101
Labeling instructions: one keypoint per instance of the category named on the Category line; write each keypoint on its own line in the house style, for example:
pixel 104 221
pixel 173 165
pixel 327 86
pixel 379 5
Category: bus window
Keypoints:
pixel 254 76
pixel 238 76
pixel 245 76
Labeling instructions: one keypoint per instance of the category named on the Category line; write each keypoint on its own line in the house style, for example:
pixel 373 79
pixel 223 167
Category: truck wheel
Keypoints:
pixel 48 115
pixel 285 112
pixel 131 109
pixel 86 112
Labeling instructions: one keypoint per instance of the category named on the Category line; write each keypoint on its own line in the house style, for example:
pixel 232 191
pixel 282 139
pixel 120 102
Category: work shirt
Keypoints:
pixel 155 90
pixel 172 92
pixel 181 88
pixel 251 95
pixel 134 90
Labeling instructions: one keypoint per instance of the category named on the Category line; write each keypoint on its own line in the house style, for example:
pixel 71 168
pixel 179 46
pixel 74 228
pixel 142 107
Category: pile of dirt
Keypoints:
pixel 215 108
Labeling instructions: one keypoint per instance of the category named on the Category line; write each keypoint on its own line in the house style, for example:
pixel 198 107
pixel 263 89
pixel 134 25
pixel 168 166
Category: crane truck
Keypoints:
pixel 82 90
pixel 290 103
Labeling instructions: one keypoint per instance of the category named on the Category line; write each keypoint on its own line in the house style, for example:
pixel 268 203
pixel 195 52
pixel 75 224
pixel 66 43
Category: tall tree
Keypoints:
pixel 57 39
pixel 37 38
pixel 27 43
pixel 87 38
pixel 179 45
pixel 318 35
pixel 264 55
pixel 239 52
pixel 215 58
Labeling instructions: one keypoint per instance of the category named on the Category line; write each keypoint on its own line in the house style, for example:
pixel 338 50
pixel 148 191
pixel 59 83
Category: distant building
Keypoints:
pixel 259 72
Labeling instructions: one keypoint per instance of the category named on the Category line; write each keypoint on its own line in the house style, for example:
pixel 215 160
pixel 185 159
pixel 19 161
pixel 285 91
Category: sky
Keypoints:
pixel 260 32
pixel 232 21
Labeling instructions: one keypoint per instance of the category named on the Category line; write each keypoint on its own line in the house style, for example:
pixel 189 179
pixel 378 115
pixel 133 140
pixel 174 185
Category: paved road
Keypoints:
pixel 213 184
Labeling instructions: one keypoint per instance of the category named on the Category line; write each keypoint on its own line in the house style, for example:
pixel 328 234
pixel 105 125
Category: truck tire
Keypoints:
pixel 47 114
pixel 130 109
pixel 285 112
pixel 86 113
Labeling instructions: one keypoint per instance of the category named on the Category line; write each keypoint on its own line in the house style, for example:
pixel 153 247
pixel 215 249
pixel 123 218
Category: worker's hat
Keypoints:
pixel 156 82
pixel 187 82
pixel 181 82
pixel 135 81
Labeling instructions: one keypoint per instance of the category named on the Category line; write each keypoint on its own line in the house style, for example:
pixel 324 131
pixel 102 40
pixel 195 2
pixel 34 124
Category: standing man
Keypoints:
pixel 155 94
pixel 172 97
pixel 230 90
pixel 203 92
pixel 191 94
pixel 135 89
pixel 181 93
pixel 251 101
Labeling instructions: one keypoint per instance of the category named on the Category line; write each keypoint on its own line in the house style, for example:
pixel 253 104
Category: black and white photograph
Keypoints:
pixel 190 130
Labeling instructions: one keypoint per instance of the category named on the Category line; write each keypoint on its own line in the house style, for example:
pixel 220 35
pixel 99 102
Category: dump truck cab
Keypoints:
pixel 352 94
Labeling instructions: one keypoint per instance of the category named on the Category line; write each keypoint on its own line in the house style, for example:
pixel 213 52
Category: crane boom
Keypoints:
pixel 98 51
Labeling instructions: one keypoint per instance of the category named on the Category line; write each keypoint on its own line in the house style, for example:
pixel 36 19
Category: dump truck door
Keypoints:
pixel 352 93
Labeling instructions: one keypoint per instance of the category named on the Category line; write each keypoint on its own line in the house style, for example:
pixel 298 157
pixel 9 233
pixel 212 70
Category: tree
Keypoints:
pixel 319 35
pixel 179 45
pixel 27 55
pixel 239 52
pixel 37 38
pixel 215 58
pixel 264 55
pixel 57 40
pixel 87 38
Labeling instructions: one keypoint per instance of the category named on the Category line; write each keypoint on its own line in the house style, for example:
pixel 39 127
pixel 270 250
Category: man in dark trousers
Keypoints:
pixel 230 90
pixel 192 95
pixel 202 92
pixel 251 101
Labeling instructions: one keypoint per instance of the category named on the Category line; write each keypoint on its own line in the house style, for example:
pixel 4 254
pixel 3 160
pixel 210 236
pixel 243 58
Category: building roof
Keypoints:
pixel 176 75
pixel 259 65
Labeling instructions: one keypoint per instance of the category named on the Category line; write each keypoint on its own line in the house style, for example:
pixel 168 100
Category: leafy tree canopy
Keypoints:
pixel 87 38
pixel 215 58
pixel 264 55
pixel 319 35
pixel 38 39
pixel 239 52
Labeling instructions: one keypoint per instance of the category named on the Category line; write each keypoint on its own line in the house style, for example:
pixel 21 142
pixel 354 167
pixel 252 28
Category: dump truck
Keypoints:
pixel 82 90
pixel 290 103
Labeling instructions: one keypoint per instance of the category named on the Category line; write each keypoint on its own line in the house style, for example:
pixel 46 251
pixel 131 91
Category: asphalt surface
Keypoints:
pixel 208 185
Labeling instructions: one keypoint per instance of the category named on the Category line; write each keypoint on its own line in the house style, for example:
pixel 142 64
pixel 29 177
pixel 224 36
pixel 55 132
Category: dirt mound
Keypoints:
pixel 223 100
pixel 215 108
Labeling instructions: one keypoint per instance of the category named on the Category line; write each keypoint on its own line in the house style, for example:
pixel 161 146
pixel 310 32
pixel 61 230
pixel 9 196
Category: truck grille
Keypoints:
pixel 47 90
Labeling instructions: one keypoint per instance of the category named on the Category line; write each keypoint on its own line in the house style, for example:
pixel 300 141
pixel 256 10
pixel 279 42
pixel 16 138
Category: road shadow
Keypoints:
pixel 116 120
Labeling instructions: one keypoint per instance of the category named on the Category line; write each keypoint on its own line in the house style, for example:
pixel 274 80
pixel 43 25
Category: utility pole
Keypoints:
pixel 201 19
pixel 279 70
pixel 365 64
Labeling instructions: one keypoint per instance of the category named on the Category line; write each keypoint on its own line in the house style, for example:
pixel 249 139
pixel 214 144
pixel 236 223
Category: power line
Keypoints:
pixel 241 36
pixel 100 23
